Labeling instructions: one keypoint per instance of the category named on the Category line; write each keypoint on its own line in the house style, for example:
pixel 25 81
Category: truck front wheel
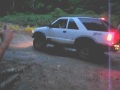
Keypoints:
pixel 39 43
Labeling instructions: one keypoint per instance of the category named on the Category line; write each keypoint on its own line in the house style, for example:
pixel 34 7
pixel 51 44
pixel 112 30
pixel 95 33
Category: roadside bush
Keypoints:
pixel 35 20
pixel 28 29
pixel 79 11
pixel 27 19
pixel 58 13
pixel 115 20
pixel 14 27
pixel 1 25
pixel 90 12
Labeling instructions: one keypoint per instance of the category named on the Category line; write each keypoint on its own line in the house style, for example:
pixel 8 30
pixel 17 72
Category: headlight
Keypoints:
pixel 32 31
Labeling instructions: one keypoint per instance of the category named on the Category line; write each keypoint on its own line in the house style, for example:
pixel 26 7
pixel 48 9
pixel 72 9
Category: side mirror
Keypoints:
pixel 50 25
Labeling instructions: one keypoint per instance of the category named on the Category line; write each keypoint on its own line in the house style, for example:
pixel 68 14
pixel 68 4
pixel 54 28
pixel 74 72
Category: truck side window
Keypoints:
pixel 60 23
pixel 72 24
pixel 94 24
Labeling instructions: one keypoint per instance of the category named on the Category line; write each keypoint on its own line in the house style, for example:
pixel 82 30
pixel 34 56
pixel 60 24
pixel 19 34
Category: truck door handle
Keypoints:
pixel 64 31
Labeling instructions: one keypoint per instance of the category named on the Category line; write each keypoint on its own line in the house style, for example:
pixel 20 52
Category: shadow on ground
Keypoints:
pixel 99 60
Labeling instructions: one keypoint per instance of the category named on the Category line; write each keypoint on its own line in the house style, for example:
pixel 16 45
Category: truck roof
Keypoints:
pixel 78 17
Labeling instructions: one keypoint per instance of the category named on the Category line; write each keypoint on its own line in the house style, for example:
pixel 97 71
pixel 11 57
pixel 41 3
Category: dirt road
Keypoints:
pixel 60 69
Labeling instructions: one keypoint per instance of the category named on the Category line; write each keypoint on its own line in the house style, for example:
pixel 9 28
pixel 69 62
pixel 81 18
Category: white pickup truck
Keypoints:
pixel 89 36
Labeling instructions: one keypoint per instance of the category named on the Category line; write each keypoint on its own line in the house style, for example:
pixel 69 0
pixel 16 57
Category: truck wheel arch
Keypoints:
pixel 86 48
pixel 83 40
pixel 39 34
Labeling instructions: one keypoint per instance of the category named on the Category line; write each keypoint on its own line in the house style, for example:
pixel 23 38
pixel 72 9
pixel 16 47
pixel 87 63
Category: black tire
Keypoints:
pixel 85 51
pixel 89 51
pixel 39 43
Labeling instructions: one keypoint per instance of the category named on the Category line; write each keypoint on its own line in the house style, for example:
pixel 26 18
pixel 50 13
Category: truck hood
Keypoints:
pixel 42 28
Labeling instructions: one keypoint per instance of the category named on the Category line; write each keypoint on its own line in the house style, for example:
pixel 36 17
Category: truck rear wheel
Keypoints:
pixel 89 51
pixel 85 52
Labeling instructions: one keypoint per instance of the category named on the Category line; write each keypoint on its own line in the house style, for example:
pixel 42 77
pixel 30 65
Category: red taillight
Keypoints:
pixel 103 18
pixel 113 37
pixel 109 37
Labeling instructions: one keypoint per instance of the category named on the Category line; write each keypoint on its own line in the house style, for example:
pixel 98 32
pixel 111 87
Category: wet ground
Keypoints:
pixel 59 69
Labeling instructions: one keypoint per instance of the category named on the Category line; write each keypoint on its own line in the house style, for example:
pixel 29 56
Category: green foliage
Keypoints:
pixel 35 20
pixel 115 20
pixel 28 19
pixel 79 11
pixel 115 8
pixel 1 25
pixel 14 27
pixel 90 12
pixel 47 6
pixel 58 12
pixel 28 29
